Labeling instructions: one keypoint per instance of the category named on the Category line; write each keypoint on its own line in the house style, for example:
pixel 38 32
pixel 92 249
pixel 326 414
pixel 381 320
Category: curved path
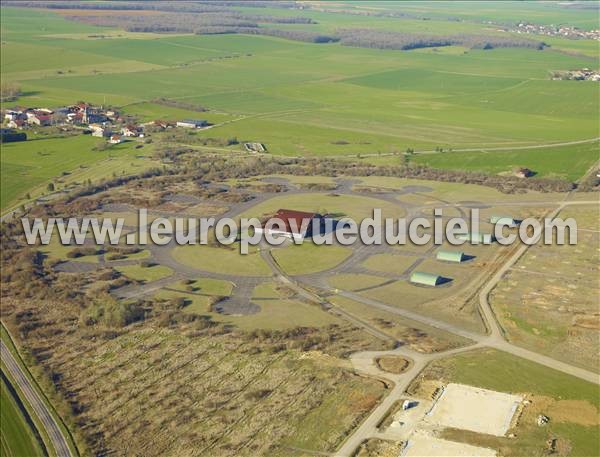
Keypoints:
pixel 39 407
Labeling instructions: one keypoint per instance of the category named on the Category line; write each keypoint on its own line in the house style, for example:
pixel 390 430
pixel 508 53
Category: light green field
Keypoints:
pixel 30 165
pixel 309 258
pixel 16 436
pixel 353 282
pixel 356 207
pixel 370 100
pixel 388 263
pixel 55 250
pixel 221 260
pixel 564 162
pixel 279 313
pixel 207 286
pixel 145 274
pixel 197 304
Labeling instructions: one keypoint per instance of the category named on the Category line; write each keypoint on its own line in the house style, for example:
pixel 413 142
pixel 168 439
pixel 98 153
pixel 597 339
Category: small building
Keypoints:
pixel 164 124
pixel 407 404
pixel 296 225
pixel 450 256
pixel 255 147
pixel 476 237
pixel 16 124
pixel 100 131
pixel 425 279
pixel 131 131
pixel 523 173
pixel 192 123
pixel 503 220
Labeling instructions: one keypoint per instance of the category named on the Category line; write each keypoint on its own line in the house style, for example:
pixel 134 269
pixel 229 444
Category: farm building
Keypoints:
pixel 425 279
pixel 523 173
pixel 296 225
pixel 476 237
pixel 192 123
pixel 255 147
pixel 503 220
pixel 450 256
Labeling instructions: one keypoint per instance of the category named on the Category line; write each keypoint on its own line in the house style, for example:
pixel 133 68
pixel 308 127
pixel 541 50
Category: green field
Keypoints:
pixel 222 260
pixel 564 162
pixel 348 101
pixel 309 258
pixel 27 167
pixel 16 436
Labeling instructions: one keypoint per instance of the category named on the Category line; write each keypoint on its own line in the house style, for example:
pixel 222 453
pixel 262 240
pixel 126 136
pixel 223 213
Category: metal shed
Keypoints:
pixel 450 256
pixel 425 279
pixel 503 220
pixel 476 237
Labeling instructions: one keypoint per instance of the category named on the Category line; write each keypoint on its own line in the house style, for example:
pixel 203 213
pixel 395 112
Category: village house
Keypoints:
pixel 100 131
pixel 16 124
pixel 41 117
pixel 131 131
pixel 115 139
pixel 292 224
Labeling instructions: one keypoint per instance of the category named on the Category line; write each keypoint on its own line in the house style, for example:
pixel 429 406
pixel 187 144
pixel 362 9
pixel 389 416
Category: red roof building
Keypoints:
pixel 290 223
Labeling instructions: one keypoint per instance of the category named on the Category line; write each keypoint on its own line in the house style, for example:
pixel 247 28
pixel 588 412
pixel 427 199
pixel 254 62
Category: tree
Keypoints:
pixel 50 187
pixel 9 91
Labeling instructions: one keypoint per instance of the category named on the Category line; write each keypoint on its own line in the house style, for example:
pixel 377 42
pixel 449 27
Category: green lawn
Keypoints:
pixel 17 439
pixel 222 260
pixel 146 274
pixel 309 258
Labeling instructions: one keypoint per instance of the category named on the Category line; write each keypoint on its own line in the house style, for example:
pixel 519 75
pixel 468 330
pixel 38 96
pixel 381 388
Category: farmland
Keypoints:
pixel 186 345
pixel 349 101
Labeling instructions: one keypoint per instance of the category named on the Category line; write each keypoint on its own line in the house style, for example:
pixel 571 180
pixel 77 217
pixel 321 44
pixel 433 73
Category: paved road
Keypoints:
pixel 38 406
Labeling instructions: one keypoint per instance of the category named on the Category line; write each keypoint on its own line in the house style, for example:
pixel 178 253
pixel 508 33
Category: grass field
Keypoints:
pixel 563 162
pixel 309 258
pixel 349 101
pixel 16 435
pixel 145 274
pixel 222 260
pixel 27 167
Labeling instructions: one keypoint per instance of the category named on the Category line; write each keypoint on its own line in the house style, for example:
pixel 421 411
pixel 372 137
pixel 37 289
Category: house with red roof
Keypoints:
pixel 292 224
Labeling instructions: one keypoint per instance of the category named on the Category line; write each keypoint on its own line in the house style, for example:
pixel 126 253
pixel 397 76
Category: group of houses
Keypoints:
pixel 98 121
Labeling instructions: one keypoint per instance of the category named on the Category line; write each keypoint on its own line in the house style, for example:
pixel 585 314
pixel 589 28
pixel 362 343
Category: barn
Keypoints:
pixel 451 256
pixel 296 225
pixel 425 279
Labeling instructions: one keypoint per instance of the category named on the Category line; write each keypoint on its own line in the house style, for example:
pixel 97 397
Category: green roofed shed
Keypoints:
pixel 476 237
pixel 425 279
pixel 450 256
pixel 503 220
